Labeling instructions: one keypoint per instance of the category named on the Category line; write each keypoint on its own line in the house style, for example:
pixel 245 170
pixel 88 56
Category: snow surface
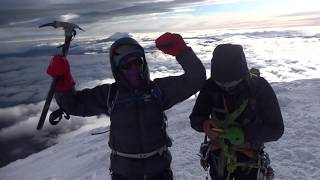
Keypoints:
pixel 294 157
pixel 287 58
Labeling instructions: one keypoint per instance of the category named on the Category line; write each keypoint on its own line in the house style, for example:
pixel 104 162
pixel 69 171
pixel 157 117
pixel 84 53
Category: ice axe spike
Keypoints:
pixel 69 33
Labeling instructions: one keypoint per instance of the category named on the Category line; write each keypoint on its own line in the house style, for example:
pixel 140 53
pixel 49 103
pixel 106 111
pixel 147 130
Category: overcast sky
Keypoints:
pixel 19 19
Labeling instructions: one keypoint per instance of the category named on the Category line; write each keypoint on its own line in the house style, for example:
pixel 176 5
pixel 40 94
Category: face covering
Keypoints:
pixel 133 74
pixel 229 86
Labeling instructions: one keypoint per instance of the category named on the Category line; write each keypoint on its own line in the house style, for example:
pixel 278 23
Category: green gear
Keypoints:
pixel 234 135
pixel 255 71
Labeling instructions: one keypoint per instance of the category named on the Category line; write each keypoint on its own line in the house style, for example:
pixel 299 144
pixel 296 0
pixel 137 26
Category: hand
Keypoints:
pixel 211 130
pixel 171 43
pixel 244 146
pixel 234 135
pixel 59 68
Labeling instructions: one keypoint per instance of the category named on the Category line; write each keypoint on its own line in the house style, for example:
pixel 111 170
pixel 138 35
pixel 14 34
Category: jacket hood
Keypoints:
pixel 128 46
pixel 229 63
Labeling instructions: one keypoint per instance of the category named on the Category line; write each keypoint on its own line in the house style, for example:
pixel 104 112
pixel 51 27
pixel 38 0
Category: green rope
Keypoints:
pixel 230 118
pixel 232 162
pixel 227 148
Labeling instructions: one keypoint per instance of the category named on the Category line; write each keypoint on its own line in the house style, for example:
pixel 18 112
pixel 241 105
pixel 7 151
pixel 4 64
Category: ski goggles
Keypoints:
pixel 133 61
pixel 121 60
pixel 228 86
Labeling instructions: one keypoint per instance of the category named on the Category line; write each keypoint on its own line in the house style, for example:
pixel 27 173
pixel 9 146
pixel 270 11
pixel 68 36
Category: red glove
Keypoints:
pixel 59 68
pixel 169 43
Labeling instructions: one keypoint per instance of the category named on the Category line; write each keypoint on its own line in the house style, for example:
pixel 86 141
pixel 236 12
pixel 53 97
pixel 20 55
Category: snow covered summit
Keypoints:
pixel 85 157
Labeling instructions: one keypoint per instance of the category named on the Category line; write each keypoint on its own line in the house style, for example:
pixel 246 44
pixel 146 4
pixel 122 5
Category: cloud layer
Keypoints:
pixel 17 12
pixel 19 19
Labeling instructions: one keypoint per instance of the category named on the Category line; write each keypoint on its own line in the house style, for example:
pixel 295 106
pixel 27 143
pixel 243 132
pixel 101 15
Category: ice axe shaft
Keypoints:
pixel 47 103
pixel 69 32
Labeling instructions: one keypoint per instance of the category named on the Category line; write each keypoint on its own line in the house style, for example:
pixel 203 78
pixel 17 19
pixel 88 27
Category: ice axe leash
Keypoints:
pixel 69 33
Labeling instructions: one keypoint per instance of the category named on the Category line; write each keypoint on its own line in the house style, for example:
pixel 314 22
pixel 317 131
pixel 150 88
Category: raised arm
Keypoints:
pixel 178 88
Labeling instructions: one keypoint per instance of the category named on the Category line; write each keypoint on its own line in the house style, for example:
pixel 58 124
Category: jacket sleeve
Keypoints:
pixel 178 88
pixel 86 102
pixel 201 110
pixel 268 125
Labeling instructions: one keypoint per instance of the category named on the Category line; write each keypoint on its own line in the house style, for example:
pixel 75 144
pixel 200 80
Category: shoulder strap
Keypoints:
pixel 112 97
pixel 157 94
pixel 113 92
pixel 253 83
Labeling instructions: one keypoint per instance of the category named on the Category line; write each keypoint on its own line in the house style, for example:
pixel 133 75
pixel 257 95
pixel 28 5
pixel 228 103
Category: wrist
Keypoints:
pixel 65 83
pixel 65 88
pixel 182 51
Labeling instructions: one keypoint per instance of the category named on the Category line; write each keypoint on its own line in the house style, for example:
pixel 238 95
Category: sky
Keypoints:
pixel 19 20
pixel 22 64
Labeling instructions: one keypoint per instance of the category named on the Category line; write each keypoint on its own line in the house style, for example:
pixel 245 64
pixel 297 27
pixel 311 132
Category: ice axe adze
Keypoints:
pixel 69 33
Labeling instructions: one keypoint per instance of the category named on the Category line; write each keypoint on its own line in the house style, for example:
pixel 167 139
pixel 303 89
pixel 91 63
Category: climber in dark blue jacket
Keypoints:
pixel 135 104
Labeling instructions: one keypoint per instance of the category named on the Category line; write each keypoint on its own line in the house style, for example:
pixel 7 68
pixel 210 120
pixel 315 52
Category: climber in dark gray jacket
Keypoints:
pixel 239 112
pixel 135 104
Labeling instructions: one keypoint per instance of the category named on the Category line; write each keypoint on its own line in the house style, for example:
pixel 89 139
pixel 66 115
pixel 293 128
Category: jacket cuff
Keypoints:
pixel 184 53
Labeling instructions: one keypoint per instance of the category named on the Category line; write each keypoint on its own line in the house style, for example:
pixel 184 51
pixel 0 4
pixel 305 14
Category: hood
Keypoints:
pixel 128 46
pixel 229 63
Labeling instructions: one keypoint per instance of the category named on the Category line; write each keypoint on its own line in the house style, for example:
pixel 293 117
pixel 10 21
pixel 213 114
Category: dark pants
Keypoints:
pixel 165 175
pixel 239 174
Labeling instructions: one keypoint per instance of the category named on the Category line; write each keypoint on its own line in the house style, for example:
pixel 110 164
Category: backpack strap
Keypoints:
pixel 157 94
pixel 112 98
pixel 252 84
pixel 113 93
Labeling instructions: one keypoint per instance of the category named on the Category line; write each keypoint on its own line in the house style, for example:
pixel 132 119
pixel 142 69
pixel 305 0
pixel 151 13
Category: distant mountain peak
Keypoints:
pixel 118 35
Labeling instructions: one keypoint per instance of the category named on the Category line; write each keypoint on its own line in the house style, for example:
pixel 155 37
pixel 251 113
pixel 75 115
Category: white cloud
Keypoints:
pixel 24 22
pixel 68 17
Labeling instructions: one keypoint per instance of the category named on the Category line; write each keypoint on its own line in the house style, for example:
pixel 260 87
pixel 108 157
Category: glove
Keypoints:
pixel 234 135
pixel 172 44
pixel 59 68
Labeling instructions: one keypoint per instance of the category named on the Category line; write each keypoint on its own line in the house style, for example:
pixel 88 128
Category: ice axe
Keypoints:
pixel 69 34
